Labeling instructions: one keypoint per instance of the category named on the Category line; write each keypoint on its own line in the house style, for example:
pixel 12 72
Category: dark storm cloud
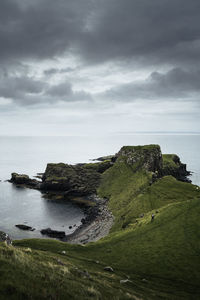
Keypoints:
pixel 17 87
pixel 175 84
pixel 101 30
pixel 163 31
pixel 54 71
pixel 39 29
pixel 148 32
pixel 64 92
pixel 28 91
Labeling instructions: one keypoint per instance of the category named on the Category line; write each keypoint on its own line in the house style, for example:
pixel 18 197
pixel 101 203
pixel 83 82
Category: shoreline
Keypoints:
pixel 98 224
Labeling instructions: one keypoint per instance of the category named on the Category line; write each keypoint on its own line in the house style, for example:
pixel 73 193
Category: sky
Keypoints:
pixel 95 67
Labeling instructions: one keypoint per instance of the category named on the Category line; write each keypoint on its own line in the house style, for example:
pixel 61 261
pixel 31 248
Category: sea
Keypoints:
pixel 30 155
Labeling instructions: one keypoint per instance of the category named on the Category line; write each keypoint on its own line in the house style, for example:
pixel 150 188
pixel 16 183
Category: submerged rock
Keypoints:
pixel 24 227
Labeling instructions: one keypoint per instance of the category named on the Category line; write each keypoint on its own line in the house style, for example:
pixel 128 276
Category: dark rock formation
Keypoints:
pixel 53 233
pixel 173 166
pixel 24 227
pixel 24 179
pixel 76 180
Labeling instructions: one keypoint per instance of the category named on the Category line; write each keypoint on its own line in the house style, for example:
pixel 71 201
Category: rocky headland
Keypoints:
pixel 147 222
pixel 81 183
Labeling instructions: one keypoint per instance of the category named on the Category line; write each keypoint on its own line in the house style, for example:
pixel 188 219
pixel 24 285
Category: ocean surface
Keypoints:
pixel 29 155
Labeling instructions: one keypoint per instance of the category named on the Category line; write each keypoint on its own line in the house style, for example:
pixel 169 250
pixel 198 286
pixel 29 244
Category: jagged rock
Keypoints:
pixel 74 180
pixel 148 157
pixel 53 233
pixel 24 179
pixel 24 227
pixel 109 269
pixel 172 165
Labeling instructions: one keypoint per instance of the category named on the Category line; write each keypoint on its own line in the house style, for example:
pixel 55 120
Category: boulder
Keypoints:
pixel 4 237
pixel 109 269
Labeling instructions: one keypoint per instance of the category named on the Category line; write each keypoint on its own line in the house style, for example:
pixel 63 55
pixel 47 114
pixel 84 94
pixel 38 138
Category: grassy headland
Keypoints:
pixel 157 259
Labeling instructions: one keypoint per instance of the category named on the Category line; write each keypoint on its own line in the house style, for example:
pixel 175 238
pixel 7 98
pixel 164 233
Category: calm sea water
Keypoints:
pixel 30 155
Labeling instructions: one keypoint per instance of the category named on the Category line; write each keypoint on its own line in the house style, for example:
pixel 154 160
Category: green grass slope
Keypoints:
pixel 160 258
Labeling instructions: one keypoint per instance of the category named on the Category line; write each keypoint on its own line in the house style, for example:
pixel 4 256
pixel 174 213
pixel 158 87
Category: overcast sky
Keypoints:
pixel 84 67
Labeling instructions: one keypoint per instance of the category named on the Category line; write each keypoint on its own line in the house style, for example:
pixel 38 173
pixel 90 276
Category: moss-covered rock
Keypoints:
pixel 80 179
pixel 24 180
pixel 173 166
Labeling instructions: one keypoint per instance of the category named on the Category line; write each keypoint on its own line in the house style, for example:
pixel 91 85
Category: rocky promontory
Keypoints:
pixel 84 179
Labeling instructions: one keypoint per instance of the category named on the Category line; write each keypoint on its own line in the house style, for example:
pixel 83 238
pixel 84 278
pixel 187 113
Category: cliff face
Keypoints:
pixel 173 166
pixel 147 157
pixel 81 179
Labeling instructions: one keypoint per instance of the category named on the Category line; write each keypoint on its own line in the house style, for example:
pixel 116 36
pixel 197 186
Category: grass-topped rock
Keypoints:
pixel 80 179
pixel 173 166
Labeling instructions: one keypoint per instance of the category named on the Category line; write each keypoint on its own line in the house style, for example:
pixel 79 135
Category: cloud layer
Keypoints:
pixel 95 55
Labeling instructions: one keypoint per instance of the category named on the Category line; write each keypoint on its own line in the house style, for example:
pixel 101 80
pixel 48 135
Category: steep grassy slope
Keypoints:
pixel 165 252
pixel 31 274
pixel 160 258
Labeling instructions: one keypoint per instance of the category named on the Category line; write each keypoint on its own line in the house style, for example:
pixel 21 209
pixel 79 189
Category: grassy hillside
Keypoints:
pixel 159 258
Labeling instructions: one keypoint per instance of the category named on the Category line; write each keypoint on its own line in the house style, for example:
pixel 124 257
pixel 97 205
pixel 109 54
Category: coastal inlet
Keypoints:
pixel 20 205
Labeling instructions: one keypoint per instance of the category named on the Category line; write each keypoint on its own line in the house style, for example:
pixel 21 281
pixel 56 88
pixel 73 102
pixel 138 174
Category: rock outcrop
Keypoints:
pixel 173 166
pixel 24 179
pixel 76 180
pixel 25 227
pixel 53 233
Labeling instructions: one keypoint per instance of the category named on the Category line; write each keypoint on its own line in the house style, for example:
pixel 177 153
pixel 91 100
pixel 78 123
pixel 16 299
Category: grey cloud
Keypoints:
pixel 60 90
pixel 54 71
pixel 16 87
pixel 150 31
pixel 40 29
pixel 64 92
pixel 154 31
pixel 24 90
pixel 175 84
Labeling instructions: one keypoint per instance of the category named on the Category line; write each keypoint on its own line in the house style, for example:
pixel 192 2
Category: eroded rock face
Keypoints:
pixel 148 157
pixel 172 165
pixel 80 180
